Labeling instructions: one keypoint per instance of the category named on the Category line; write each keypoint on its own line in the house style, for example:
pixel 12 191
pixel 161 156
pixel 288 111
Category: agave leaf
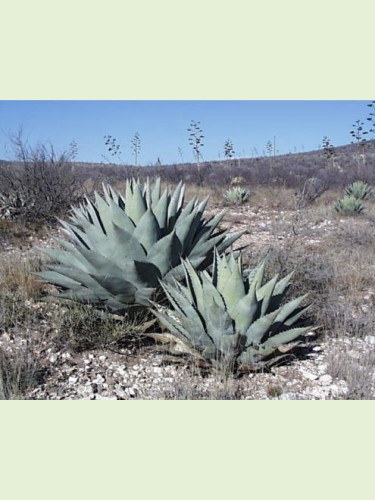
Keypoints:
pixel 94 216
pixel 147 193
pixel 81 277
pixel 244 311
pixel 287 336
pixel 174 327
pixel 161 212
pixel 129 247
pixel 253 356
pixel 188 209
pixel 264 294
pixel 136 205
pixel 296 315
pixel 175 205
pixel 218 322
pixel 122 289
pixel 165 253
pixel 105 212
pixel 156 192
pixel 81 295
pixel 226 243
pixel 59 279
pixel 109 248
pixel 183 228
pixel 283 284
pixel 72 259
pixel 259 328
pixel 212 223
pixel 233 290
pixel 255 276
pixel 147 231
pixel 194 282
pixel 178 273
pixel 99 261
pixel 120 218
pixel 289 308
pixel 78 236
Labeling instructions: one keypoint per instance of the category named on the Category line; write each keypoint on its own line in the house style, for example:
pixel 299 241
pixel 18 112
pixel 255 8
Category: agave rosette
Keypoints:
pixel 121 246
pixel 228 319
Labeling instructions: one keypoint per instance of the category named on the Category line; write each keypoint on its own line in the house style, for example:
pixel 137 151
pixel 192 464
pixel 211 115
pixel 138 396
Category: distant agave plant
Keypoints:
pixel 237 195
pixel 349 205
pixel 230 321
pixel 121 246
pixel 359 190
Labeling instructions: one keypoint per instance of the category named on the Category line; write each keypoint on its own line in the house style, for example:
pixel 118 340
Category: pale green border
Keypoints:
pixel 169 49
pixel 187 50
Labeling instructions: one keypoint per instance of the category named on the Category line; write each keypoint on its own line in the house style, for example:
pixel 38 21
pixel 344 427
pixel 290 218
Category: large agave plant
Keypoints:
pixel 231 321
pixel 121 246
pixel 360 190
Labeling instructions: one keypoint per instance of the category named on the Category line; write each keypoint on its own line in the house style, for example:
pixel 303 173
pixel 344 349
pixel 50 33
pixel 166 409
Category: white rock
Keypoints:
pixel 325 379
pixel 99 396
pixel 309 375
pixel 370 339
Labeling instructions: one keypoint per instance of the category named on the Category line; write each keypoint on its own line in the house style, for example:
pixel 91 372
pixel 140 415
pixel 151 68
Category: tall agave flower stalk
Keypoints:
pixel 121 246
pixel 231 321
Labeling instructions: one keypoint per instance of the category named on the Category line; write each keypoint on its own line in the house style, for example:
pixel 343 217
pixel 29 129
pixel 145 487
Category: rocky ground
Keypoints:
pixel 328 365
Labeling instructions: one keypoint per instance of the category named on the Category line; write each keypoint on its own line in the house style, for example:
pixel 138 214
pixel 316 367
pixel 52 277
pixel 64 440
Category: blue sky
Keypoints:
pixel 297 125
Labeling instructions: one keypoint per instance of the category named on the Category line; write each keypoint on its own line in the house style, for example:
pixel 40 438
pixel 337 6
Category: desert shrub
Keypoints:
pixel 312 189
pixel 39 185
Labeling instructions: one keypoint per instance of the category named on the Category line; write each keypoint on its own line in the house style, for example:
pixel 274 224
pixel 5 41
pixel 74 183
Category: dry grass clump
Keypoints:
pixel 19 289
pixel 356 368
pixel 20 371
pixel 191 385
pixel 81 327
pixel 336 271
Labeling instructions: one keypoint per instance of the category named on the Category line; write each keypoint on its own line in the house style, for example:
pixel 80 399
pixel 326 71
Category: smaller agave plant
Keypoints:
pixel 359 190
pixel 231 321
pixel 349 205
pixel 237 195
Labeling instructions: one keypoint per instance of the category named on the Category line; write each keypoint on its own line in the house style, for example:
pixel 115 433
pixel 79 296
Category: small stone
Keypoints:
pixel 325 379
pixel 99 396
pixel 72 380
pixel 131 391
pixel 370 339
pixel 310 376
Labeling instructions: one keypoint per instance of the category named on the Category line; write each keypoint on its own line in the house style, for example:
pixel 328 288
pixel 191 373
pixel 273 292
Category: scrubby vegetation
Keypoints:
pixel 210 309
